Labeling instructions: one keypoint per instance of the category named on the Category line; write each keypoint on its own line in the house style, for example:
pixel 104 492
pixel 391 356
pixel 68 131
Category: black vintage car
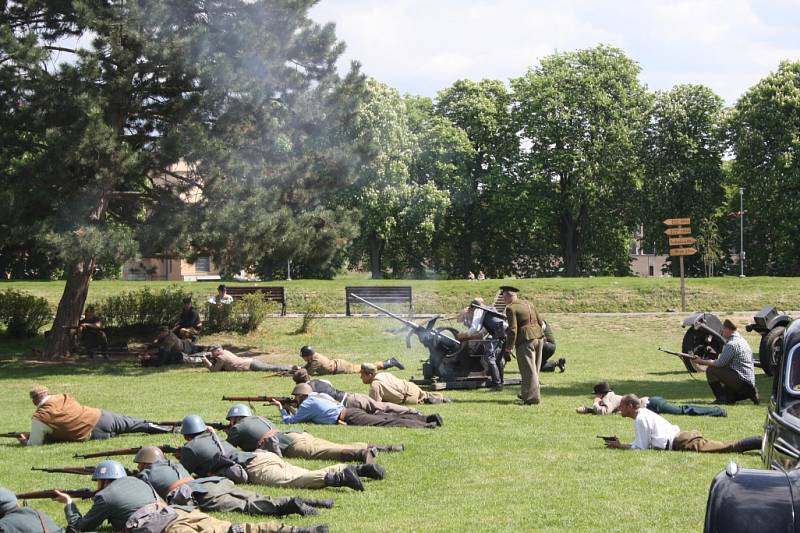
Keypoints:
pixel 750 500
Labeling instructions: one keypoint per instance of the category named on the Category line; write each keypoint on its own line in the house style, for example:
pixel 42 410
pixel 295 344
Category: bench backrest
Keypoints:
pixel 272 294
pixel 400 294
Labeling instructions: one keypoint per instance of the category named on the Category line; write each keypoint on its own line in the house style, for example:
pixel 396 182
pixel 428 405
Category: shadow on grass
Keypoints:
pixel 26 369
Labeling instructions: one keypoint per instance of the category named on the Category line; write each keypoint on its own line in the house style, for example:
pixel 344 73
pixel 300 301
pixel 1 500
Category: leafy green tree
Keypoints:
pixel 709 245
pixel 764 135
pixel 580 116
pixel 682 156
pixel 101 99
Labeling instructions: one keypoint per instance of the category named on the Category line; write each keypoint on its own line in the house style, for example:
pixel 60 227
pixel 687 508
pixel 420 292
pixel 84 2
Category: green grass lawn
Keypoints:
pixel 494 466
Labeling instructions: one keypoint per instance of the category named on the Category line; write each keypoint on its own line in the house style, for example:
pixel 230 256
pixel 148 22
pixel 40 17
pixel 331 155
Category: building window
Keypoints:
pixel 203 264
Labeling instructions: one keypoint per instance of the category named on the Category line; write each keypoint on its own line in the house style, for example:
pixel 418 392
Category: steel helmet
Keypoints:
pixel 239 409
pixel 149 455
pixel 8 501
pixel 109 470
pixel 306 351
pixel 192 424
pixel 302 389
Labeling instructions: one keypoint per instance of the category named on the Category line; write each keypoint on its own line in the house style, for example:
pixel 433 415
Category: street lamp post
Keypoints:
pixel 741 232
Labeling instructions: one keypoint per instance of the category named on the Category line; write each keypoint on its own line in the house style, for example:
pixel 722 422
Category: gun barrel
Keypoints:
pixel 416 328
pixel 83 494
pixel 11 434
pixel 81 470
pixel 166 448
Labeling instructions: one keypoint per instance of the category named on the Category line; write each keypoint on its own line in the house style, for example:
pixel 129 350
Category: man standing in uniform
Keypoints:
pixel 524 335
pixel 121 499
pixel 16 519
pixel 385 387
pixel 731 376
pixel 319 365
pixel 60 418
pixel 177 487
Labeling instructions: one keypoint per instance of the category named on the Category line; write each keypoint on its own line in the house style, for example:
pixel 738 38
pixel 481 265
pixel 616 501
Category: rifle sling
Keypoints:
pixel 178 483
pixel 41 521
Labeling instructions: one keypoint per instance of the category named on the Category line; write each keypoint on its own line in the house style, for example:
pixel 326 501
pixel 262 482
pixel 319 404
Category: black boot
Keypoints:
pixel 748 444
pixel 295 506
pixel 562 364
pixel 393 362
pixel 346 478
pixel 371 471
pixel 357 456
pixel 389 448
pixel 719 392
pixel 435 418
pixel 325 504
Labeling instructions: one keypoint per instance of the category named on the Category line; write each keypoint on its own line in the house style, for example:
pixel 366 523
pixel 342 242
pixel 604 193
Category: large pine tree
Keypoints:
pixel 100 99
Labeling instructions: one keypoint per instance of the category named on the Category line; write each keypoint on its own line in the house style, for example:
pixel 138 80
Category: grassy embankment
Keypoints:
pixel 494 466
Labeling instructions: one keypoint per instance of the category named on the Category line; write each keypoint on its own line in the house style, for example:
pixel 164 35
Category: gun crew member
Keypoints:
pixel 16 519
pixel 483 323
pixel 524 334
pixel 176 486
pixel 90 332
pixel 731 376
pixel 128 502
pixel 385 387
pixel 60 418
pixel 223 360
pixel 319 365
pixel 606 402
pixel 188 324
pixel 350 399
pixel 204 454
pixel 654 431
pixel 549 349
pixel 322 409
pixel 253 433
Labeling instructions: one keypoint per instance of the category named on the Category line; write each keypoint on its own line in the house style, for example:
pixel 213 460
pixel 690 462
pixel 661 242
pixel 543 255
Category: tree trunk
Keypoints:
pixel 69 309
pixel 568 234
pixel 375 253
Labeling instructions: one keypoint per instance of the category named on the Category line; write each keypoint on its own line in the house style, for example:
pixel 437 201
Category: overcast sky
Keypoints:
pixel 423 46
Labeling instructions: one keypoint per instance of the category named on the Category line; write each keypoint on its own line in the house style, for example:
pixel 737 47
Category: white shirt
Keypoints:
pixel 653 431
pixel 477 321
pixel 216 300
pixel 39 430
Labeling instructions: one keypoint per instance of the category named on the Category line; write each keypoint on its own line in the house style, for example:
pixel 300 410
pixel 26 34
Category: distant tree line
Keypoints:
pixel 548 175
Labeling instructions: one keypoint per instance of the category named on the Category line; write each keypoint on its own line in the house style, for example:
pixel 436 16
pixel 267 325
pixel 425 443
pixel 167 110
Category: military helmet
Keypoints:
pixel 192 424
pixel 109 470
pixel 302 389
pixel 307 351
pixel 239 409
pixel 8 501
pixel 149 455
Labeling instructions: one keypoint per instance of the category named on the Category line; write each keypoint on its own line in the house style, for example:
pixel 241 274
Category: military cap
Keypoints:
pixel 300 375
pixel 303 389
pixel 214 347
pixel 728 324
pixel 149 455
pixel 306 351
pixel 8 501
pixel 508 288
pixel 39 390
pixel 602 388
pixel 369 368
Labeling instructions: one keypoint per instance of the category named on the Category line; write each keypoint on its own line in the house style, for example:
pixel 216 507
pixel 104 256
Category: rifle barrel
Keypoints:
pixel 83 494
pixel 11 434
pixel 81 470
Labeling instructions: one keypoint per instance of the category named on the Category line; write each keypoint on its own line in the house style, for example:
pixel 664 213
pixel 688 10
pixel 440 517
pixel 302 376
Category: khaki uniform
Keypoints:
pixel 230 362
pixel 270 470
pixel 307 446
pixel 322 366
pixel 525 334
pixel 195 521
pixel 388 388
pixel 69 420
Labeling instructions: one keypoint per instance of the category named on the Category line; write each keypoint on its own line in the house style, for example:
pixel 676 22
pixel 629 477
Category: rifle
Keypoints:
pixel 83 494
pixel 80 470
pixel 286 402
pixel 427 335
pixel 679 354
pixel 178 423
pixel 12 434
pixel 607 439
pixel 166 448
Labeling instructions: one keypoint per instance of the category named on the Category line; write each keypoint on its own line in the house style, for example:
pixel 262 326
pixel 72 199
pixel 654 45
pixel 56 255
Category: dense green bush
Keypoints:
pixel 23 314
pixel 243 316
pixel 142 308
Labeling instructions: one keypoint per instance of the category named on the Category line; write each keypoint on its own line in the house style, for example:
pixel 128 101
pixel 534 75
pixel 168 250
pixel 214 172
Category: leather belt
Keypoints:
pixel 271 433
pixel 178 483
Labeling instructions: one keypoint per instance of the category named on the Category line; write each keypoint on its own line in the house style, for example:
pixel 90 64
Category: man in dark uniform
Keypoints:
pixel 91 334
pixel 252 433
pixel 188 324
pixel 169 349
pixel 16 519
pixel 524 334
pixel 483 321
pixel 205 455
pixel 119 498
pixel 549 349
pixel 177 487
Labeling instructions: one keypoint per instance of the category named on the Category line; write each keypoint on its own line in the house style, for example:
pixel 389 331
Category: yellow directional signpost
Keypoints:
pixel 677 244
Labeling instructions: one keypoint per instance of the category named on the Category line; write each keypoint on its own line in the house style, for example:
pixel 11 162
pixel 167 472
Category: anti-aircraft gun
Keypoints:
pixel 451 364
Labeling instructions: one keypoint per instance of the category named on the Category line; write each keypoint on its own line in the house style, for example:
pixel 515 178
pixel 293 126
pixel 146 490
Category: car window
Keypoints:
pixel 793 372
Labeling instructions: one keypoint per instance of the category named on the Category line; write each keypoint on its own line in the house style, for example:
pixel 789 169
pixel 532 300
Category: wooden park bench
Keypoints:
pixel 270 294
pixel 379 295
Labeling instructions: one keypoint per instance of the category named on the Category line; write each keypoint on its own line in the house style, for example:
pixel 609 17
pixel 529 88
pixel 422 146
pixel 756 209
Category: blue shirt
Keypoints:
pixel 317 408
